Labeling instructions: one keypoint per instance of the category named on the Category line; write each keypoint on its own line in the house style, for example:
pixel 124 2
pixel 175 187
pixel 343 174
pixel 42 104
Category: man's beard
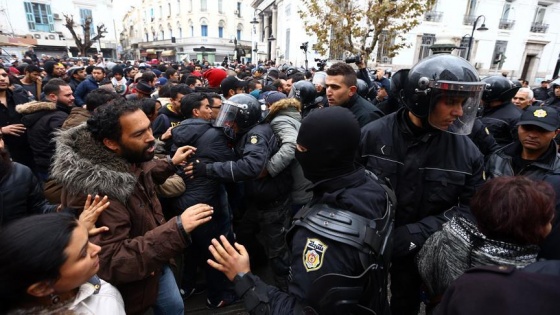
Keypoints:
pixel 133 156
pixel 5 163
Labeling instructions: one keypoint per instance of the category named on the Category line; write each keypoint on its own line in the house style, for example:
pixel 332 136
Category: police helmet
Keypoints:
pixel 304 91
pixel 363 88
pixel 247 111
pixel 498 88
pixel 443 78
pixel 291 70
pixel 423 77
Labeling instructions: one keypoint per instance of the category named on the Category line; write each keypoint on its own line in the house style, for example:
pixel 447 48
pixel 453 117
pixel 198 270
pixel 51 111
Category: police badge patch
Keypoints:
pixel 254 139
pixel 313 254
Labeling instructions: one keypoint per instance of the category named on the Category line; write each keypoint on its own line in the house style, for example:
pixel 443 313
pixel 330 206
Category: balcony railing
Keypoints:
pixel 433 16
pixel 469 19
pixel 506 24
pixel 539 27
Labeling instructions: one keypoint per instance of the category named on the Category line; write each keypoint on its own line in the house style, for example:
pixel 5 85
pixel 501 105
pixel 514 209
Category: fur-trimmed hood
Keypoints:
pixel 85 166
pixel 287 106
pixel 35 106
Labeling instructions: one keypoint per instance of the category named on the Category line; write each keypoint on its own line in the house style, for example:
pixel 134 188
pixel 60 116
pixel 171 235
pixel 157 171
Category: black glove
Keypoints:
pixel 405 243
pixel 199 169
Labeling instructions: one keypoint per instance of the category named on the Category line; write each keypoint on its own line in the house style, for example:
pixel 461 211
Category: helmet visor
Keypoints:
pixel 227 114
pixel 454 105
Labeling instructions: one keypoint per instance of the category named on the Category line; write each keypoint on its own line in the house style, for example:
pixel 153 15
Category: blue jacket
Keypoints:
pixel 83 89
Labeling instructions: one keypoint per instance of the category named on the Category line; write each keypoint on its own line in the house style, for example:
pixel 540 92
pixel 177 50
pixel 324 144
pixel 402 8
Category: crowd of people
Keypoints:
pixel 337 180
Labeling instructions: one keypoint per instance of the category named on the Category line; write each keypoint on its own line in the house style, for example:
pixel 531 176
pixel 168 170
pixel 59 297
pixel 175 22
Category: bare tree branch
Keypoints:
pixel 87 41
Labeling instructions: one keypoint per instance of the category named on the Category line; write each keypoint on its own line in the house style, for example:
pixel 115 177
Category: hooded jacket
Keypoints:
pixel 285 120
pixel 41 120
pixel 212 146
pixel 139 241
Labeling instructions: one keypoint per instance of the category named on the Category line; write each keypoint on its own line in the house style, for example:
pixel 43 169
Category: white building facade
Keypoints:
pixel 188 29
pixel 522 36
pixel 42 22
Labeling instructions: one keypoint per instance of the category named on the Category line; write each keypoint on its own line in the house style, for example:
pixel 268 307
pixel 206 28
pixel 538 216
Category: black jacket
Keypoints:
pixel 18 146
pixel 540 94
pixel 212 146
pixel 253 150
pixel 41 120
pixel 501 121
pixel 166 118
pixel 354 192
pixel 364 111
pixel 433 173
pixel 482 138
pixel 21 195
pixel 547 169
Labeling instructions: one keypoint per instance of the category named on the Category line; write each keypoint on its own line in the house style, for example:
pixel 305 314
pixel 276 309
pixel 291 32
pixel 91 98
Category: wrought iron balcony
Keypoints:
pixel 433 16
pixel 506 24
pixel 537 27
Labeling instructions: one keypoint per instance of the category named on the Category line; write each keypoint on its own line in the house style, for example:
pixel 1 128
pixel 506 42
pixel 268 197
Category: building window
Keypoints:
pixel 239 34
pixel 39 17
pixel 427 41
pixel 220 32
pixel 85 13
pixel 470 13
pixel 287 51
pixel 464 47
pixel 220 6
pixel 498 57
pixel 203 6
pixel 288 10
pixel 238 9
pixel 204 30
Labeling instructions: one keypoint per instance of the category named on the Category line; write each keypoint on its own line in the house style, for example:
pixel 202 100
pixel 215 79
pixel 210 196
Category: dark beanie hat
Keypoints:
pixel 49 67
pixel 331 137
pixel 117 69
pixel 144 88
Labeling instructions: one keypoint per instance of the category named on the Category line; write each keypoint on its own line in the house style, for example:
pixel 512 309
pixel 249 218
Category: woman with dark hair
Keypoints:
pixel 513 216
pixel 48 266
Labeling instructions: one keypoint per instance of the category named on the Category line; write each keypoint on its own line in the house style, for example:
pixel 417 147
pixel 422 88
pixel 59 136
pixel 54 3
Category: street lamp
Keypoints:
pixel 481 28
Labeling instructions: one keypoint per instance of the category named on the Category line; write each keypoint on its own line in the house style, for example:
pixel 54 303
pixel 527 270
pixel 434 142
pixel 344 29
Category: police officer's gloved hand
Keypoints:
pixel 405 243
pixel 199 169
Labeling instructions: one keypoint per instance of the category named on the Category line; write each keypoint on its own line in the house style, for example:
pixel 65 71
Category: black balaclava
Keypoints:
pixel 331 136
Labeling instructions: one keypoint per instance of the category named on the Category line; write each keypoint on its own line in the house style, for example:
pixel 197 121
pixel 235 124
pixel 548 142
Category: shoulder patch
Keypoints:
pixel 314 254
pixel 254 139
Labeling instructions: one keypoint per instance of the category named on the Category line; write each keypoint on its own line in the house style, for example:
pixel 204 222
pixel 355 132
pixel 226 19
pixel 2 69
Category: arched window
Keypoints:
pixel 191 26
pixel 239 31
pixel 221 26
pixel 203 28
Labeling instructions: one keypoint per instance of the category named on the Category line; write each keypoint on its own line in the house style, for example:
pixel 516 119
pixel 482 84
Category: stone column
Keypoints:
pixel 274 27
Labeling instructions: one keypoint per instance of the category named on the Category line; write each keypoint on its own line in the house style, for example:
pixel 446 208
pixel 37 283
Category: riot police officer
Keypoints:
pixel 305 92
pixel 267 198
pixel 499 114
pixel 433 168
pixel 338 240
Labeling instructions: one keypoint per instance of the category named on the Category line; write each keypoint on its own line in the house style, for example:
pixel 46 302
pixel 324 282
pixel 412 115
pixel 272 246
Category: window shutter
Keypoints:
pixel 50 18
pixel 30 16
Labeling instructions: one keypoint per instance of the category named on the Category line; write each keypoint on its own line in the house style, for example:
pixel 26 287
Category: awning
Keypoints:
pixel 150 51
pixel 167 53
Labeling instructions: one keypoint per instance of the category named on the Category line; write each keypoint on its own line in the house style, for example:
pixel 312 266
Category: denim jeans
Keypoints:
pixel 169 301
